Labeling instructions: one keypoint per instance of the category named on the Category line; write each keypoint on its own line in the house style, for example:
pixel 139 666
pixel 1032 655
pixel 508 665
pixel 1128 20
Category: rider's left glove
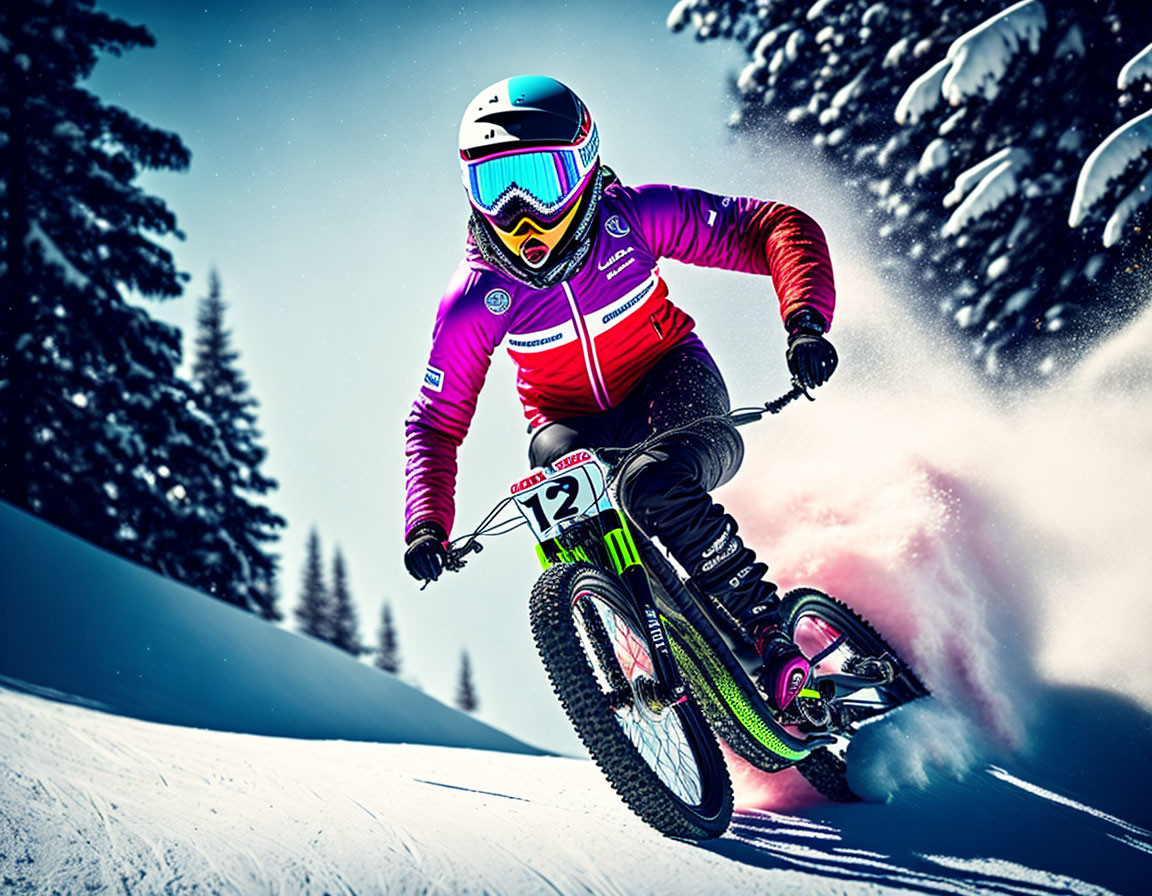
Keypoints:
pixel 811 357
pixel 426 554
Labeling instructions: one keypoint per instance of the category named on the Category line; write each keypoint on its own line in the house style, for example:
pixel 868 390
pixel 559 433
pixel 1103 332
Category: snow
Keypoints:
pixel 976 61
pixel 1108 161
pixel 849 91
pixel 998 181
pixel 679 15
pixel 923 95
pixel 896 53
pixel 747 82
pixel 93 801
pixel 936 155
pixel 97 802
pixel 979 59
pixel 974 175
pixel 133 642
pixel 818 9
pixel 1136 69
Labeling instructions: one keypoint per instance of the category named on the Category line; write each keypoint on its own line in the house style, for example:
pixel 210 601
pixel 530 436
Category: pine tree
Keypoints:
pixel 241 567
pixel 313 613
pixel 345 628
pixel 465 691
pixel 267 597
pixel 966 126
pixel 387 652
pixel 97 432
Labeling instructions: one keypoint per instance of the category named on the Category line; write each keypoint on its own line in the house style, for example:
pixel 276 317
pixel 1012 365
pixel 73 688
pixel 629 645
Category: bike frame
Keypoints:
pixel 692 647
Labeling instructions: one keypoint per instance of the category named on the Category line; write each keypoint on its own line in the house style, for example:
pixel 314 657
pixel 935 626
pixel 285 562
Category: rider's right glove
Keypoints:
pixel 426 554
pixel 811 357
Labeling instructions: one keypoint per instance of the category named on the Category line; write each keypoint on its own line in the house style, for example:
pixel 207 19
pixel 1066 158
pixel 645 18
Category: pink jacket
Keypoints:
pixel 581 346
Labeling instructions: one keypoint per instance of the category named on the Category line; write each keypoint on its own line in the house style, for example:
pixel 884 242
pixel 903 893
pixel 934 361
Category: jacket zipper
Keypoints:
pixel 591 364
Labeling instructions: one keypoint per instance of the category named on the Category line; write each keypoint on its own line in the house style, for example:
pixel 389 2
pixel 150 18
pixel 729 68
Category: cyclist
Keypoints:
pixel 561 265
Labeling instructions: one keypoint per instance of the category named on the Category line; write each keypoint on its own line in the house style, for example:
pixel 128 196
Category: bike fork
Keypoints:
pixel 672 688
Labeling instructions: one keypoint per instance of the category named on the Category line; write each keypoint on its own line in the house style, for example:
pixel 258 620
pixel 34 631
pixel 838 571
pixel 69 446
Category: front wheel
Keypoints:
pixel 662 759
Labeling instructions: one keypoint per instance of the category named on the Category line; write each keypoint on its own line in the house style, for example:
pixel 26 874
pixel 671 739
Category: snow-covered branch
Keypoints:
pixel 1128 144
pixel 923 95
pixel 980 58
pixel 976 62
pixel 1138 68
pixel 999 180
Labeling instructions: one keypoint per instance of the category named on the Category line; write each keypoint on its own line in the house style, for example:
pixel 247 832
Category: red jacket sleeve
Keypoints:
pixel 740 234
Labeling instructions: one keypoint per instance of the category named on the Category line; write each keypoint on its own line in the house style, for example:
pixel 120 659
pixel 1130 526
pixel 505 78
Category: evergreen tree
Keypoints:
pixel 242 568
pixel 967 126
pixel 97 433
pixel 465 691
pixel 345 628
pixel 268 598
pixel 388 652
pixel 313 613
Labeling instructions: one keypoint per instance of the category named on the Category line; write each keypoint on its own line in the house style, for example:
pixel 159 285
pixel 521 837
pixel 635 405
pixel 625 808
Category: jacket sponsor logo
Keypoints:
pixel 616 257
pixel 536 343
pixel 617 227
pixel 433 378
pixel 616 271
pixel 631 303
pixel 498 301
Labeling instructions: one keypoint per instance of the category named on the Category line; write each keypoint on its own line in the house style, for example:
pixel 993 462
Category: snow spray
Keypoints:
pixel 996 541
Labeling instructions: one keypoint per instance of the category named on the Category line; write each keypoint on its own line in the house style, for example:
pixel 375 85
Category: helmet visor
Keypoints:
pixel 541 182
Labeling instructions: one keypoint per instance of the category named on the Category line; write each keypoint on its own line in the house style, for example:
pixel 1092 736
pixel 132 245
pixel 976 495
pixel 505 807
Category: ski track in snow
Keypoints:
pixel 91 802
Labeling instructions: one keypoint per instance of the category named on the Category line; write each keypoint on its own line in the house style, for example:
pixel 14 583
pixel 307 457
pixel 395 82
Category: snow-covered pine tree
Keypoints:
pixel 314 611
pixel 1037 85
pixel 97 433
pixel 345 627
pixel 967 81
pixel 387 650
pixel 465 691
pixel 241 570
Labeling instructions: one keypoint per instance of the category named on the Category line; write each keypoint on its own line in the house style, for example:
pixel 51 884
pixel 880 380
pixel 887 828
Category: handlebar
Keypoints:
pixel 458 549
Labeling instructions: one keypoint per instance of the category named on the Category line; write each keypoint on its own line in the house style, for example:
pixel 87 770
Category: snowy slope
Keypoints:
pixel 92 801
pixel 82 622
pixel 97 803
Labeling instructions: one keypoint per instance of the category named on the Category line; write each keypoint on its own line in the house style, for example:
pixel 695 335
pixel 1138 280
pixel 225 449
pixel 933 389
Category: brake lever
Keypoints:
pixel 799 388
pixel 455 561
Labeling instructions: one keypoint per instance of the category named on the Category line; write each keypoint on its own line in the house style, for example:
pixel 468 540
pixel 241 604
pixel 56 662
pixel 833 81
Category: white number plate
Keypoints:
pixel 573 487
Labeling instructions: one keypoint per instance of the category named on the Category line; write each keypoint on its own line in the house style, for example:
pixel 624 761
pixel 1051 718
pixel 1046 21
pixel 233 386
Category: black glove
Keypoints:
pixel 811 357
pixel 426 553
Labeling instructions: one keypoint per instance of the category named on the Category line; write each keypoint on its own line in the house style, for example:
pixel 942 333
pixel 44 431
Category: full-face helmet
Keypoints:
pixel 529 157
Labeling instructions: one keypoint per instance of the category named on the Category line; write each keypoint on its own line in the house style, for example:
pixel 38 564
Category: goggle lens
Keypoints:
pixel 547 177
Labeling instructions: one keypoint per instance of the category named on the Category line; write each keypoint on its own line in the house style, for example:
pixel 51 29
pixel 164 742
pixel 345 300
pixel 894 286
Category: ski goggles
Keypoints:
pixel 540 183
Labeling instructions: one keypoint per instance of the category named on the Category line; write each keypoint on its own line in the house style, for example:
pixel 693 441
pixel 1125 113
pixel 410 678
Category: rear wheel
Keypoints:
pixel 660 757
pixel 841 641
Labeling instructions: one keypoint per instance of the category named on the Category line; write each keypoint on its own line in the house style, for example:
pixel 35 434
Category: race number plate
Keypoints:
pixel 572 488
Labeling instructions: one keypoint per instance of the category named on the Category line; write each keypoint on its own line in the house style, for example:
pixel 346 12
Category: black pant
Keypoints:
pixel 666 488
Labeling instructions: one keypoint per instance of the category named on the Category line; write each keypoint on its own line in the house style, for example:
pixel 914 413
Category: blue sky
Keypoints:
pixel 324 186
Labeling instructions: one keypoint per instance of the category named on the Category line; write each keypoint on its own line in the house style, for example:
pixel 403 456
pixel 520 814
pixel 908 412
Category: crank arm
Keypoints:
pixel 839 685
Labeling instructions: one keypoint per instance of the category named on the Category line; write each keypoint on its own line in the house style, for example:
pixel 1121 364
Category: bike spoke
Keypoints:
pixel 658 736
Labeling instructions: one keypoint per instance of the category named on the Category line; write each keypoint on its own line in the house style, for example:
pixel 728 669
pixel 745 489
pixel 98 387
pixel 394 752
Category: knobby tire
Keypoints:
pixel 588 708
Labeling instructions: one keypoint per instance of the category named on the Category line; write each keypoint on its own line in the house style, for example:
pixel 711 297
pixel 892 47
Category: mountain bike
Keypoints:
pixel 651 672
